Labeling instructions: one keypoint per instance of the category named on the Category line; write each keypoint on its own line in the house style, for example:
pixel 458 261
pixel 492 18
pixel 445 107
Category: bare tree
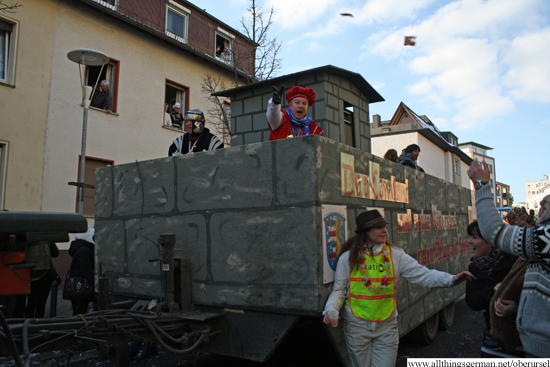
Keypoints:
pixel 265 51
pixel 5 8
pixel 262 53
pixel 211 84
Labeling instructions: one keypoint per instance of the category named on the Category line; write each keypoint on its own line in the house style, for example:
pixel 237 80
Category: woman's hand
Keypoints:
pixel 505 307
pixel 327 320
pixel 465 275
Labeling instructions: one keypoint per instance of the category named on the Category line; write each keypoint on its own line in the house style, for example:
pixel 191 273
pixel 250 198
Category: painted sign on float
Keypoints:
pixel 361 185
pixel 334 225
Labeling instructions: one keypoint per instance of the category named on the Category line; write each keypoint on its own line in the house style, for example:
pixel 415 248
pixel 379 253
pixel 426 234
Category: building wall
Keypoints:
pixel 432 159
pixel 136 132
pixel 24 106
pixel 382 143
pixel 535 188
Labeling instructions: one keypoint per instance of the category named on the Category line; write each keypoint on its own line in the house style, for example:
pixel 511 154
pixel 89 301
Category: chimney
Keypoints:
pixel 376 120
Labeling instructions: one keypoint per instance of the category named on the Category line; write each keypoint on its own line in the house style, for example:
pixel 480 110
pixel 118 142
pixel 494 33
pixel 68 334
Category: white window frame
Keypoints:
pixel 457 166
pixel 10 50
pixel 184 12
pixel 106 4
pixel 4 145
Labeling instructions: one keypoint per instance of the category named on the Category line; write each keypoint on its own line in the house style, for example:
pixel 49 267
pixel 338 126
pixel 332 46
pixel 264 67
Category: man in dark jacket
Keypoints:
pixel 102 97
pixel 410 156
pixel 82 252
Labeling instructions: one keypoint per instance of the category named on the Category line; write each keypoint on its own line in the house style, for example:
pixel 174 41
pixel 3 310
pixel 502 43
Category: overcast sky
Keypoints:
pixel 480 69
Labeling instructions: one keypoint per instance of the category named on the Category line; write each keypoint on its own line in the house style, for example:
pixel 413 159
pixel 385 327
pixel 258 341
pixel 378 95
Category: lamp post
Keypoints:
pixel 85 56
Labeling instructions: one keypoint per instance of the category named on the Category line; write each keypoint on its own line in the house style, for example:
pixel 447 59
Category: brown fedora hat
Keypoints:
pixel 369 219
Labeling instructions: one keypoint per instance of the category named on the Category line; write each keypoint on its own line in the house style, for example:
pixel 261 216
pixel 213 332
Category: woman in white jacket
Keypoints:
pixel 367 270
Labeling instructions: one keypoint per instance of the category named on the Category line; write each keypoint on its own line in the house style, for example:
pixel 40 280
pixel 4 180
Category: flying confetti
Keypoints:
pixel 347 15
pixel 410 40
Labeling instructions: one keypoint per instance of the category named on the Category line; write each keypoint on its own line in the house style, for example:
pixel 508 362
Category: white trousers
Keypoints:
pixel 376 348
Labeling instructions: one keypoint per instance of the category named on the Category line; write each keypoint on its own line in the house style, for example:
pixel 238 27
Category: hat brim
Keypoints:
pixel 373 223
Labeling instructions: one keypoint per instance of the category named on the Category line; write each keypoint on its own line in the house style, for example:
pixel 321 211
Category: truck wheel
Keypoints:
pixel 447 317
pixel 426 333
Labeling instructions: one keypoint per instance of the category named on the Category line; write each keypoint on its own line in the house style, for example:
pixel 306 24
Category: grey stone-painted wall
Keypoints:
pixel 249 219
pixel 248 109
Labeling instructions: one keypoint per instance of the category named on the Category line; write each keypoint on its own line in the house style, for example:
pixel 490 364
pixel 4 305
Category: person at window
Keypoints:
pixel 391 155
pixel 167 119
pixel 531 243
pixel 490 266
pixel 294 121
pixel 175 115
pixel 409 157
pixel 102 97
pixel 367 270
pixel 197 138
pixel 226 54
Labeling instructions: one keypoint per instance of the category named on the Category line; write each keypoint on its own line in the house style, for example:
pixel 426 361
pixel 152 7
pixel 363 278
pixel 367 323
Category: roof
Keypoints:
pixel 477 145
pixel 355 78
pixel 426 128
pixel 129 17
pixel 421 121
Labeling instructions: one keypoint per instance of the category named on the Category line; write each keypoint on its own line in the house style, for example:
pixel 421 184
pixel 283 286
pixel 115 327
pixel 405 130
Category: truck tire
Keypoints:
pixel 426 332
pixel 447 317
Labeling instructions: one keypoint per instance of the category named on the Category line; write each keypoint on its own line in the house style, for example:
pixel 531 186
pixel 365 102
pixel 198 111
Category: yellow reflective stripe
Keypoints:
pixel 373 297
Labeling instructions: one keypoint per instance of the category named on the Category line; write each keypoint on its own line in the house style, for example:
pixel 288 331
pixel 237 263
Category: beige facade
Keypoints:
pixel 41 119
pixel 438 157
pixel 24 104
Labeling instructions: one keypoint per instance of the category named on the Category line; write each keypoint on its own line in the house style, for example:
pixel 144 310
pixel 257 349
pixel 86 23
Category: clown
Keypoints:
pixel 294 121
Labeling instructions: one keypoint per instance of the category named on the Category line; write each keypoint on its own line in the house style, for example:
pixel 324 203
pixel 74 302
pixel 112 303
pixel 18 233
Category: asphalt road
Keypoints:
pixel 302 348
pixel 463 340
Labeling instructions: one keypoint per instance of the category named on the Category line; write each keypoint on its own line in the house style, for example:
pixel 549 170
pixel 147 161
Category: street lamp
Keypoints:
pixel 85 56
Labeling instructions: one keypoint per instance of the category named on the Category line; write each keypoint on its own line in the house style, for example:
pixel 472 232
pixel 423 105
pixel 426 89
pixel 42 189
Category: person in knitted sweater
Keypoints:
pixel 533 316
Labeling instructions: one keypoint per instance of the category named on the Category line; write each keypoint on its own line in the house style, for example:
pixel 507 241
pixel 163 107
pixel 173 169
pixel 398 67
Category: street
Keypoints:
pixel 301 349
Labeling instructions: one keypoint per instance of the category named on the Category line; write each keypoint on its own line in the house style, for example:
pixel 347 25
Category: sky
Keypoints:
pixel 480 68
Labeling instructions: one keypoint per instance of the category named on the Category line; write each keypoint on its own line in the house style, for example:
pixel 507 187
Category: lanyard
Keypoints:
pixel 194 144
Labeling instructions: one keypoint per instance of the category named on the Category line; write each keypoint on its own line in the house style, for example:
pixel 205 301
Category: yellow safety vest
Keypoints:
pixel 372 286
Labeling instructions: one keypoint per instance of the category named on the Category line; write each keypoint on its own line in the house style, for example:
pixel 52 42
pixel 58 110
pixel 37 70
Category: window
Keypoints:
pixel 110 73
pixel 176 21
pixel 348 125
pixel 224 45
pixel 111 4
pixel 8 42
pixel 3 166
pixel 89 178
pixel 457 166
pixel 176 93
pixel 491 168
pixel 491 182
